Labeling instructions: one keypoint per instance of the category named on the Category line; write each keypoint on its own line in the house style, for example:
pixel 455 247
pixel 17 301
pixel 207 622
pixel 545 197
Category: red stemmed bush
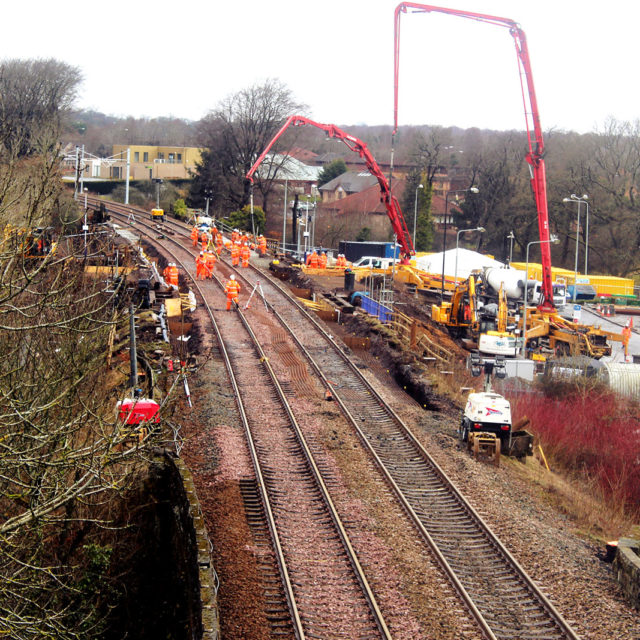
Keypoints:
pixel 590 431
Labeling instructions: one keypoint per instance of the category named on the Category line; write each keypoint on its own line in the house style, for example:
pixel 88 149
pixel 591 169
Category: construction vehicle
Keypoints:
pixel 486 419
pixel 386 197
pixel 157 215
pixel 545 328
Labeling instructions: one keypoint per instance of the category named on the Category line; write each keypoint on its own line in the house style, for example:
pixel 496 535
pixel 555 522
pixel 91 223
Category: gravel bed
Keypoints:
pixel 416 599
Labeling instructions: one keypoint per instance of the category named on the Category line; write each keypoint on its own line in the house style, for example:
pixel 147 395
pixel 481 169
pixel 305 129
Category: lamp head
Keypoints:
pixel 481 229
pixel 566 199
pixel 474 190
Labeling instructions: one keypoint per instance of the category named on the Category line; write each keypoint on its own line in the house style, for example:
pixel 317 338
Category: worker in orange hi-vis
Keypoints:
pixel 194 236
pixel 312 260
pixel 219 243
pixel 234 236
pixel 200 266
pixel 232 289
pixel 626 335
pixel 322 260
pixel 235 254
pixel 262 245
pixel 210 263
pixel 204 238
pixel 173 274
pixel 245 254
pixel 243 238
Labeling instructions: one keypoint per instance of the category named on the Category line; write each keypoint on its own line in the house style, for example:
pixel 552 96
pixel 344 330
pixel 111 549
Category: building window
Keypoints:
pixel 145 157
pixel 160 155
pixel 136 156
pixel 171 158
pixel 179 158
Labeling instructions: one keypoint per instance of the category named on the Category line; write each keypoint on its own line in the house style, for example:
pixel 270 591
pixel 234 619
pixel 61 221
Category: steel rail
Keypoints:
pixel 395 482
pixel 320 483
pixel 518 570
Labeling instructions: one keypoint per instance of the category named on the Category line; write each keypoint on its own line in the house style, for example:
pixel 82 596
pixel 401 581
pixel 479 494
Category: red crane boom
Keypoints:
pixel 535 156
pixel 390 201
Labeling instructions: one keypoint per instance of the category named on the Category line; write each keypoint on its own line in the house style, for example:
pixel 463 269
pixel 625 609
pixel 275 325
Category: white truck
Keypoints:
pixel 373 262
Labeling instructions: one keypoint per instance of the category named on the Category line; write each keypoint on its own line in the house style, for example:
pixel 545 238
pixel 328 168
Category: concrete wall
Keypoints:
pixel 626 567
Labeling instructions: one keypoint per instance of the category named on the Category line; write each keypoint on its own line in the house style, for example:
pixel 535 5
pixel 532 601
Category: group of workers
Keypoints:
pixel 205 262
pixel 319 261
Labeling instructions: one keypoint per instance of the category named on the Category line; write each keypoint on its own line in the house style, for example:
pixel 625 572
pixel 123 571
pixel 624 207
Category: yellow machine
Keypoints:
pixel 157 215
pixel 565 338
pixel 459 315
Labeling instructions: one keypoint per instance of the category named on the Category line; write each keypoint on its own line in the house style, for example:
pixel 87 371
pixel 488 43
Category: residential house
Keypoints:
pixel 345 185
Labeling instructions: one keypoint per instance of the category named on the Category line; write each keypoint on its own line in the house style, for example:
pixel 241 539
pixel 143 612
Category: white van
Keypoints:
pixel 373 262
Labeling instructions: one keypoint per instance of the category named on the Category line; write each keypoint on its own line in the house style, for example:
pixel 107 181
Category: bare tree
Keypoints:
pixel 235 134
pixel 35 98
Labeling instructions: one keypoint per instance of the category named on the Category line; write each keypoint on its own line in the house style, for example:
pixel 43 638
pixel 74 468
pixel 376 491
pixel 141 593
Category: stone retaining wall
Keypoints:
pixel 208 577
pixel 626 566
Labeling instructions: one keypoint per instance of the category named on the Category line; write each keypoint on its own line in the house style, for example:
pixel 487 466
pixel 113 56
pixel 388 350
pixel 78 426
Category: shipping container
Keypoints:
pixel 354 250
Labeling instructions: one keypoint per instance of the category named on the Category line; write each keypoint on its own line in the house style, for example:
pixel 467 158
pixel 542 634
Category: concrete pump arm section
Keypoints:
pixel 535 156
pixel 390 202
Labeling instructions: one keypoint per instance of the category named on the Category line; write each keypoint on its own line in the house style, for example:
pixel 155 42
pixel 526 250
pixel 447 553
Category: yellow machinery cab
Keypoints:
pixel 157 214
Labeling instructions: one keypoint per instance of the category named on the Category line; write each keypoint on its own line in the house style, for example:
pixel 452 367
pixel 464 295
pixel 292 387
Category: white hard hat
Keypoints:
pixel 233 276
pixel 202 253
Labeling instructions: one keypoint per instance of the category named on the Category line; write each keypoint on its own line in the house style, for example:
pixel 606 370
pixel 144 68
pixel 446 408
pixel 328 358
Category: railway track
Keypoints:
pixel 495 588
pixel 317 568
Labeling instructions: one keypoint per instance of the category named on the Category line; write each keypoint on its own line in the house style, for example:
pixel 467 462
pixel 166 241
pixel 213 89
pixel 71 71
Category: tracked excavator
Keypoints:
pixel 546 329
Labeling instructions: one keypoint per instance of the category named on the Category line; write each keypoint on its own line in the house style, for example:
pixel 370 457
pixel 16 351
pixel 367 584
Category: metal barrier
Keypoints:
pixel 373 308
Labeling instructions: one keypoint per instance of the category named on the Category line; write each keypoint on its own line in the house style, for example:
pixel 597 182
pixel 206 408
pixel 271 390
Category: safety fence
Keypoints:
pixel 373 308
pixel 411 331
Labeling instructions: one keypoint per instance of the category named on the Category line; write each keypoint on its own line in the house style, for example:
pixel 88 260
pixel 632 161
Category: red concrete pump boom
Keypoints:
pixel 535 156
pixel 390 202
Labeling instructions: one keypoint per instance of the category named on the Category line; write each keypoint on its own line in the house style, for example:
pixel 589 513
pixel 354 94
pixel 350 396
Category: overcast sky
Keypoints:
pixel 179 59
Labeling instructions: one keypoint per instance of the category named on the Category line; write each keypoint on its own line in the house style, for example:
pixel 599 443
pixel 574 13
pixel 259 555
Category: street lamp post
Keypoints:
pixel 553 240
pixel 580 200
pixel 85 226
pixel 479 230
pixel 444 231
pixel 415 214
pixel 510 237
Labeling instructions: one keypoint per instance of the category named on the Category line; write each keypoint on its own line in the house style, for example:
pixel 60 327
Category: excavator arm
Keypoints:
pixel 390 202
pixel 535 156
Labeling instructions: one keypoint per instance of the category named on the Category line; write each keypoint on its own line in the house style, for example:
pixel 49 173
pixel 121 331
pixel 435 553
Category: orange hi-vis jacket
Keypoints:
pixel 194 236
pixel 200 267
pixel 235 254
pixel 312 260
pixel 210 262
pixel 232 289
pixel 245 254
pixel 262 245
pixel 173 275
pixel 322 260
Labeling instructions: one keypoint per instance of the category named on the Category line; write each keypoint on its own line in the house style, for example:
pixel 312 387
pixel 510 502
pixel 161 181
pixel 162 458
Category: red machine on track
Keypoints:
pixel 535 157
pixel 391 203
